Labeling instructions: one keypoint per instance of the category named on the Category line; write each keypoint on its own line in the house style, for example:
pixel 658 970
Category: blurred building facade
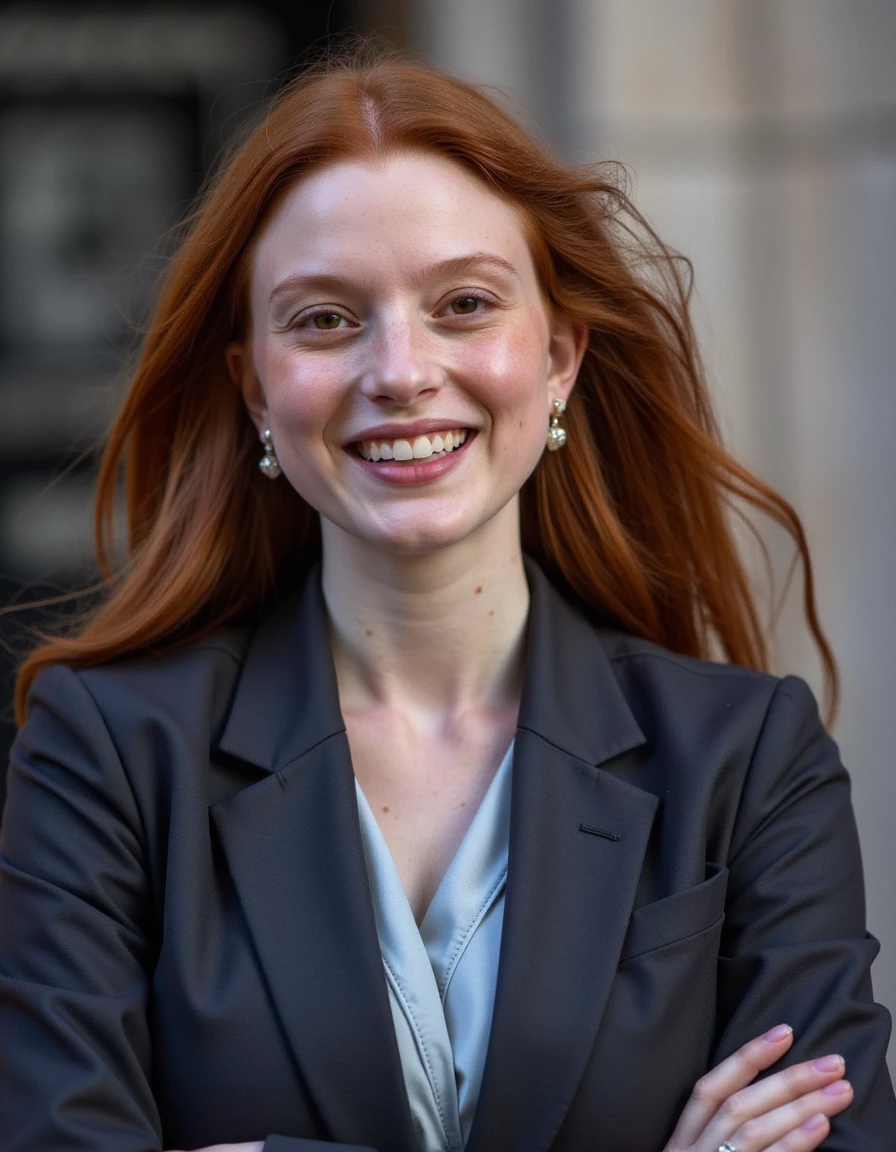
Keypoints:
pixel 762 137
pixel 110 118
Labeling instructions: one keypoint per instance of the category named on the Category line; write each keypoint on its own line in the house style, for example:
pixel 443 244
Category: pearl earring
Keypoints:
pixel 556 434
pixel 269 464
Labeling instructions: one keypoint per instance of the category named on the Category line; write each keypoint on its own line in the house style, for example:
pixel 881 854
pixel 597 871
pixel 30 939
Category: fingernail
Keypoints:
pixel 838 1088
pixel 778 1033
pixel 828 1064
pixel 815 1122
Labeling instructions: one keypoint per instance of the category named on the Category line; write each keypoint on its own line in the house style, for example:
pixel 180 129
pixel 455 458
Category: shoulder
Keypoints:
pixel 128 710
pixel 748 742
pixel 642 659
pixel 610 681
pixel 741 734
pixel 197 675
pixel 139 732
pixel 659 681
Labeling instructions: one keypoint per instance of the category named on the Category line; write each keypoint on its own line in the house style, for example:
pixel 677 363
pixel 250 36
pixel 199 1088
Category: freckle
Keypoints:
pixel 369 631
pixel 385 807
pixel 479 589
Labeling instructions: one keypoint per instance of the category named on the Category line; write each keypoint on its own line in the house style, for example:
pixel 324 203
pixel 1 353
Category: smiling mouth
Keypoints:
pixel 431 447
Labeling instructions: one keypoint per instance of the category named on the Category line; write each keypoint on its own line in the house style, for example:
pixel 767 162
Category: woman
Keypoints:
pixel 333 745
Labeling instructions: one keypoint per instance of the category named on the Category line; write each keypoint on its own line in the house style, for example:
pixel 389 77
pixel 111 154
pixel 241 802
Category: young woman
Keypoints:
pixel 390 799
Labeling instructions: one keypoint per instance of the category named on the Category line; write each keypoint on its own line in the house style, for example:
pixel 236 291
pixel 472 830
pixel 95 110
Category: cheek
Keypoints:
pixel 514 374
pixel 300 395
pixel 512 364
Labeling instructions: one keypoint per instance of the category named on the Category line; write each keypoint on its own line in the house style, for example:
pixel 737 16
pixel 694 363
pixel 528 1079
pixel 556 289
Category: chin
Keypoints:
pixel 421 543
pixel 419 537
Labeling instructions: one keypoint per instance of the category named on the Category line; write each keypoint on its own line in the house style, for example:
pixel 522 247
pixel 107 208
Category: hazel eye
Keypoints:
pixel 326 321
pixel 465 305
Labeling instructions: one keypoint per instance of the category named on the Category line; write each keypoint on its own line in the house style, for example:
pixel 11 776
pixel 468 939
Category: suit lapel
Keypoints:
pixel 293 845
pixel 578 837
pixel 292 842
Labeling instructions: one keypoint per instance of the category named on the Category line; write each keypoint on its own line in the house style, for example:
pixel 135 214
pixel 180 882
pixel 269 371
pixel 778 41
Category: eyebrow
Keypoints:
pixel 456 266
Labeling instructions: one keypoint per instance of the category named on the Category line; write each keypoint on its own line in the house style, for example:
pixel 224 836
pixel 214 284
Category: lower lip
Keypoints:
pixel 416 472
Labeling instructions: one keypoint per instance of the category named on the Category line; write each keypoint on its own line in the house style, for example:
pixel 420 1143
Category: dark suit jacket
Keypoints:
pixel 188 952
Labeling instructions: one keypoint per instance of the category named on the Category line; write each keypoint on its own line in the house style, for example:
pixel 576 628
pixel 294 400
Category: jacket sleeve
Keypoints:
pixel 77 942
pixel 795 949
pixel 75 937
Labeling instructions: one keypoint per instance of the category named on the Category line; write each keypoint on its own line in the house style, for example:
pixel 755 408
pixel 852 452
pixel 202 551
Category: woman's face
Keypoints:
pixel 395 312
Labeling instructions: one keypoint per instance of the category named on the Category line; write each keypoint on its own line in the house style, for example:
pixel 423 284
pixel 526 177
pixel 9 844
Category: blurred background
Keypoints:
pixel 761 138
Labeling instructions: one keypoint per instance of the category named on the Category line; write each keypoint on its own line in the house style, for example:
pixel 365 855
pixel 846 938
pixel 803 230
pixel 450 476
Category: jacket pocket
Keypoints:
pixel 678 916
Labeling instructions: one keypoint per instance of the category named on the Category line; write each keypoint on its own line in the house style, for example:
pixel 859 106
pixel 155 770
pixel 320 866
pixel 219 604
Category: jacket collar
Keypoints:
pixel 571 697
pixel 286 700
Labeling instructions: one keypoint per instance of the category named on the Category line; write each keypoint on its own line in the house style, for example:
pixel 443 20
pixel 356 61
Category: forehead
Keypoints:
pixel 406 209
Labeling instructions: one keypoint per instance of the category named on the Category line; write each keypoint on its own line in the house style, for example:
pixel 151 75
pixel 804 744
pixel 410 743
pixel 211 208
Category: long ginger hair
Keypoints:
pixel 632 520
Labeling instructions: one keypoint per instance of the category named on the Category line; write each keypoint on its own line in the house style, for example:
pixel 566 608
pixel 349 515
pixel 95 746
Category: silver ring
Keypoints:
pixel 727 1147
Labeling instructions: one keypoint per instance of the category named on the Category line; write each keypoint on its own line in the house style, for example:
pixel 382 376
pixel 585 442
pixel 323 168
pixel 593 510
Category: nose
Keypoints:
pixel 403 363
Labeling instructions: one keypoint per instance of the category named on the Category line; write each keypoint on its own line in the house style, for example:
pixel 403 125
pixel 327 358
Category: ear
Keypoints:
pixel 241 370
pixel 565 354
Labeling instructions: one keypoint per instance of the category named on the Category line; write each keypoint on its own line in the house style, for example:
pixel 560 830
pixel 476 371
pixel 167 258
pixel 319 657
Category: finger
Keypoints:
pixel 795 1126
pixel 252 1146
pixel 807 1137
pixel 721 1082
pixel 748 1109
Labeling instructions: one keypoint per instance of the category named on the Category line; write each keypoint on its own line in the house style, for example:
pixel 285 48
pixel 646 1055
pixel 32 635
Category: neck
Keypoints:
pixel 439 633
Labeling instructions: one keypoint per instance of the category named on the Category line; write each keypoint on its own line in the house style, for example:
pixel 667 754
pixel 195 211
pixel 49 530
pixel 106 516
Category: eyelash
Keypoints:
pixel 306 320
pixel 478 296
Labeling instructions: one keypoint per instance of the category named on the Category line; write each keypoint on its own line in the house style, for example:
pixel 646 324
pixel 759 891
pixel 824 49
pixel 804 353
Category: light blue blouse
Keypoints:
pixel 442 975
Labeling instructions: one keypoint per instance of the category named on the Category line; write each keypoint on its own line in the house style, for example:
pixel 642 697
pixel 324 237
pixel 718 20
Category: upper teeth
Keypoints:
pixel 420 448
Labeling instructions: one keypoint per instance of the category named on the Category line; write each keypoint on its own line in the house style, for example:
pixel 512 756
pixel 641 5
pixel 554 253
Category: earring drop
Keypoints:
pixel 556 434
pixel 269 464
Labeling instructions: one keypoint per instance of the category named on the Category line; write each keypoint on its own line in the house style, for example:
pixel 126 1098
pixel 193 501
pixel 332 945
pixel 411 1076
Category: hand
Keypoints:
pixel 787 1112
pixel 252 1146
